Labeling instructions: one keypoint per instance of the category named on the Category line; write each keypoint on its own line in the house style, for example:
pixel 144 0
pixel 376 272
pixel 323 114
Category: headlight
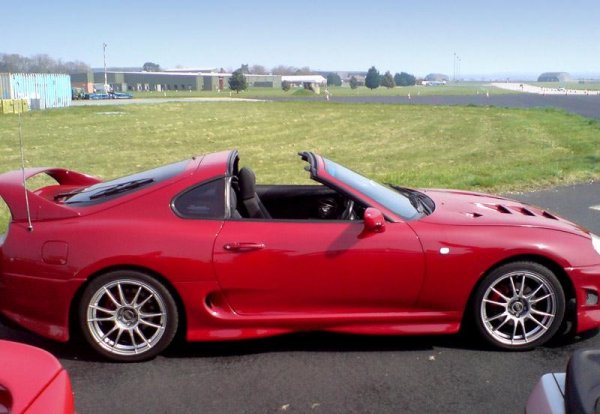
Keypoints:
pixel 596 243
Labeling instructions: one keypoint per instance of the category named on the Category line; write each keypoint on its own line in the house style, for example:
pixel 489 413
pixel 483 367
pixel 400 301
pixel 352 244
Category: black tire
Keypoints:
pixel 127 316
pixel 519 306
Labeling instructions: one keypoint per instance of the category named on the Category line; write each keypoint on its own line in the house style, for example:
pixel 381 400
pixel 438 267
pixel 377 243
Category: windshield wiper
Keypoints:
pixel 119 188
pixel 415 198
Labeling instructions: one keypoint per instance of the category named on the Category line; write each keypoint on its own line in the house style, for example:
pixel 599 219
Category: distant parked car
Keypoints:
pixel 97 95
pixel 77 93
pixel 32 381
pixel 110 95
pixel 120 95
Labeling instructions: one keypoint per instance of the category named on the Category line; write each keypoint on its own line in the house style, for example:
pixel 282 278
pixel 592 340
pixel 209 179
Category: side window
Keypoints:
pixel 206 201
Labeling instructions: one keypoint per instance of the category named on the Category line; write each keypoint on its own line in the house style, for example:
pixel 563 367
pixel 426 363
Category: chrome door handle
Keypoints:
pixel 243 246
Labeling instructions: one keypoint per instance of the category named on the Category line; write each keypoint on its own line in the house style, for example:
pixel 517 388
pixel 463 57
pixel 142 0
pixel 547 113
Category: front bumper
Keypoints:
pixel 586 281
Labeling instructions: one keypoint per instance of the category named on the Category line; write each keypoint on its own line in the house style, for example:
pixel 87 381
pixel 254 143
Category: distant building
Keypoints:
pixel 173 80
pixel 312 82
pixel 346 76
pixel 554 77
pixel 191 70
pixel 436 77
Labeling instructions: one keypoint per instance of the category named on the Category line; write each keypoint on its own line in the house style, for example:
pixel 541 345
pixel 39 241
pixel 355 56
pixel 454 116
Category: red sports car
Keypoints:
pixel 197 246
pixel 32 381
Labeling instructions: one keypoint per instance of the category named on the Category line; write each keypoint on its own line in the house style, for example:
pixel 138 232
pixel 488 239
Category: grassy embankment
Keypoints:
pixel 590 86
pixel 461 88
pixel 491 149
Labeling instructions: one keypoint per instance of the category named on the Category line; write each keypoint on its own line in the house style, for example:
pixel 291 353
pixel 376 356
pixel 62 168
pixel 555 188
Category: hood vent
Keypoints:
pixel 501 209
pixel 548 215
pixel 518 209
pixel 525 211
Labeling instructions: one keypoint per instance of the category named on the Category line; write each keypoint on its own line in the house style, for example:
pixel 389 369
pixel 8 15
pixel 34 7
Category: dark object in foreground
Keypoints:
pixel 575 392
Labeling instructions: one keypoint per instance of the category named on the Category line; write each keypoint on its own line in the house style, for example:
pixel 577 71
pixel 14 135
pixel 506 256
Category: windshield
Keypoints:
pixel 387 197
pixel 110 189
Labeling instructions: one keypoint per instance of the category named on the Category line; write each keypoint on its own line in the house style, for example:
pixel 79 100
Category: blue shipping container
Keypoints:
pixel 42 90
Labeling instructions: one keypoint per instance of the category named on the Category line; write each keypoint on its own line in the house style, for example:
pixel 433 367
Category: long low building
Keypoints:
pixel 177 81
pixel 166 81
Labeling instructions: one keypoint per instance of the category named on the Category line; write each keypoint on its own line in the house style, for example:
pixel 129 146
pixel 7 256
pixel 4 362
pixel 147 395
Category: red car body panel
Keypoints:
pixel 32 381
pixel 281 278
pixel 287 275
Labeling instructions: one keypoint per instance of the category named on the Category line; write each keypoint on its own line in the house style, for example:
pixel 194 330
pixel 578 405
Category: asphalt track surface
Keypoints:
pixel 588 106
pixel 328 373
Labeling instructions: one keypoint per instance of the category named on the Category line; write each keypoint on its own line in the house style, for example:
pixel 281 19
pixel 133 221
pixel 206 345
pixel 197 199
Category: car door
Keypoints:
pixel 326 267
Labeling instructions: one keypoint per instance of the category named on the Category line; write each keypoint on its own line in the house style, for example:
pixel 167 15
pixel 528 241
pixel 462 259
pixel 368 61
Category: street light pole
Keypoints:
pixel 454 67
pixel 105 77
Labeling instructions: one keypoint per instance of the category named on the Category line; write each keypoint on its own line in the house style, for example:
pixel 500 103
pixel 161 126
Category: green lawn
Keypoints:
pixel 481 148
pixel 590 86
pixel 460 88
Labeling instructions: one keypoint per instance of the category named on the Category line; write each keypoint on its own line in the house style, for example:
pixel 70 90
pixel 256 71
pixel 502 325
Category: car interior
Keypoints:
pixel 288 202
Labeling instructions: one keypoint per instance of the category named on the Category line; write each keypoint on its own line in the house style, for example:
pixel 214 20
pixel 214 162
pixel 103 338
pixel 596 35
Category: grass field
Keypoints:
pixel 465 88
pixel 590 86
pixel 481 148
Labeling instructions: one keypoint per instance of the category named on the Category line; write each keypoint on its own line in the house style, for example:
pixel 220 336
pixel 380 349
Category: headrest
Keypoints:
pixel 247 183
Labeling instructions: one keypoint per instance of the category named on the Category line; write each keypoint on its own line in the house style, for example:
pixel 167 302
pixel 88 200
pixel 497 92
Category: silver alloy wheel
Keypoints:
pixel 126 317
pixel 518 308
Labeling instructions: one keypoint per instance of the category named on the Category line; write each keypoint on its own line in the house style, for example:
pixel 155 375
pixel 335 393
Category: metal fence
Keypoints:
pixel 40 89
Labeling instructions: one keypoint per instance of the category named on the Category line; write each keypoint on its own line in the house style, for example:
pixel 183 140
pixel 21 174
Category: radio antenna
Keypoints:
pixel 29 225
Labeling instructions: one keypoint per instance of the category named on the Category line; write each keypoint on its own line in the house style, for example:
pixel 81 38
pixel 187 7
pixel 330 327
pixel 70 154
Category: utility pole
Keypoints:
pixel 105 77
pixel 454 67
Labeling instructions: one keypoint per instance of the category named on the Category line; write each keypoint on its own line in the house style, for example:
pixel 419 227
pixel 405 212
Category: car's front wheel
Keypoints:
pixel 127 316
pixel 519 306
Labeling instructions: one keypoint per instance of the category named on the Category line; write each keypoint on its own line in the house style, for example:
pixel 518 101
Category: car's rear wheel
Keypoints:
pixel 127 316
pixel 519 306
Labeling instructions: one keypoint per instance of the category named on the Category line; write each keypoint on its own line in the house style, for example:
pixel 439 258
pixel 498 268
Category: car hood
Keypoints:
pixel 469 208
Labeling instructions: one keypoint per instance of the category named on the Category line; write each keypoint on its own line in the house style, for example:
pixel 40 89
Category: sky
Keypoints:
pixel 419 37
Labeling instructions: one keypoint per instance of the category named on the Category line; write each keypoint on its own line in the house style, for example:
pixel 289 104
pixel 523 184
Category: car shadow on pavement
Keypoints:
pixel 77 350
pixel 319 342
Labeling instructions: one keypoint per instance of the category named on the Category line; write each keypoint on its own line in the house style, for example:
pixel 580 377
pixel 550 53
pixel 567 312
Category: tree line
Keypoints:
pixel 374 79
pixel 42 63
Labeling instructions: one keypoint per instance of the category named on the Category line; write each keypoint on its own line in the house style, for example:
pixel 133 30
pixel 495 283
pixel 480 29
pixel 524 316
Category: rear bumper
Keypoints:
pixel 38 304
pixel 587 290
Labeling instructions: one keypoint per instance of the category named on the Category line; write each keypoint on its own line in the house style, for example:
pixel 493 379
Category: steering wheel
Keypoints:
pixel 348 213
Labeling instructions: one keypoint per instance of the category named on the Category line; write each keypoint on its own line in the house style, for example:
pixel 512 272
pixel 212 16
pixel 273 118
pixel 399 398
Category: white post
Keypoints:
pixel 105 77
